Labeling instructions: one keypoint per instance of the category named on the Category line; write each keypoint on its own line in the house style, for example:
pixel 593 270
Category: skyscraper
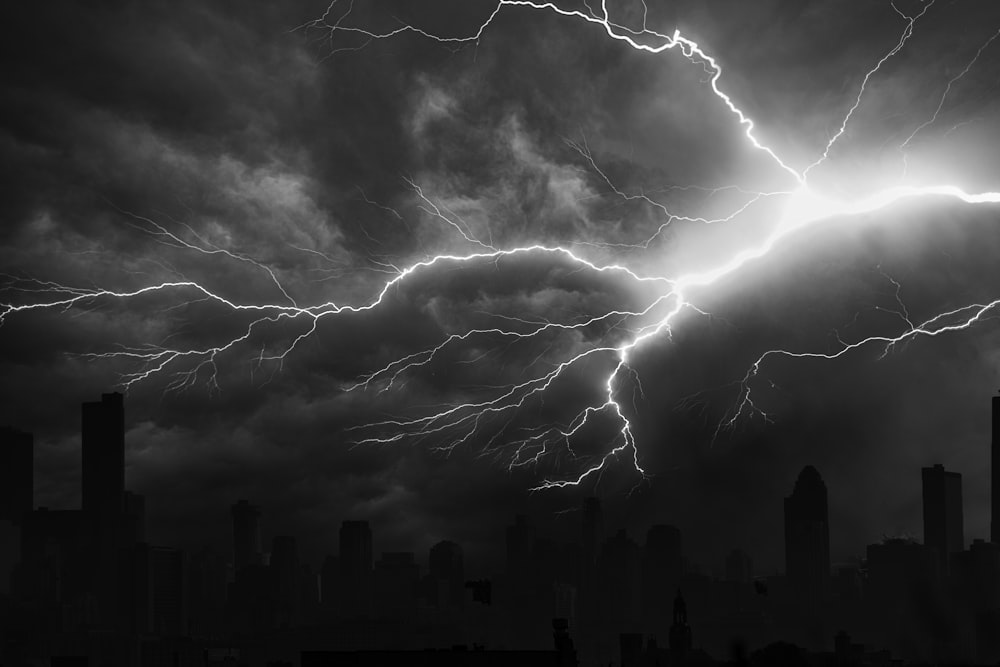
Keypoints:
pixel 397 581
pixel 166 574
pixel 807 540
pixel 134 517
pixel 355 562
pixel 680 631
pixel 103 445
pixel 355 547
pixel 447 574
pixel 16 481
pixel 995 474
pixel 662 567
pixel 246 535
pixel 285 577
pixel 943 528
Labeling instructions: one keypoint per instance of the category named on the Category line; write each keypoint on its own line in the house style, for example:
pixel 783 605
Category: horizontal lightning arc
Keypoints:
pixel 804 208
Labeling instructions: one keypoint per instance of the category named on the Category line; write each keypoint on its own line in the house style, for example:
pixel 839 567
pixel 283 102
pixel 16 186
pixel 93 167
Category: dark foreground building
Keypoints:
pixel 563 655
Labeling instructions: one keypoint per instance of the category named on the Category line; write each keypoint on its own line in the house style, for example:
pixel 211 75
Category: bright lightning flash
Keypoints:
pixel 626 329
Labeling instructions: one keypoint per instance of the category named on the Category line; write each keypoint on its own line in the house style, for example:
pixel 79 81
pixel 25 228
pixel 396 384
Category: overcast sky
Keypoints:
pixel 316 161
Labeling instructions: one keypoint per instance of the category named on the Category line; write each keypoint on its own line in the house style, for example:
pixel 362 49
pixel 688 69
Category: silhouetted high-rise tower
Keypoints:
pixel 355 563
pixel 662 567
pixel 246 535
pixel 447 574
pixel 356 547
pixel 103 444
pixel 16 455
pixel 807 539
pixel 943 526
pixel 995 474
pixel 680 631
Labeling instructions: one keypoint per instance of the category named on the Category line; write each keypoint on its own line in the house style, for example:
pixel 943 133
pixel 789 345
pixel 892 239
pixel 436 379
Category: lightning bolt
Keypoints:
pixel 944 96
pixel 610 337
pixel 903 38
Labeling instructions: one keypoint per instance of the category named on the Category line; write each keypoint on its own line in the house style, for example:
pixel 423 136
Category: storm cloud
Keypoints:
pixel 322 157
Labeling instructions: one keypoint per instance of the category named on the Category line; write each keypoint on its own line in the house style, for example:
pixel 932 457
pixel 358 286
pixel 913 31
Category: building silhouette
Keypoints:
pixel 285 578
pixel 205 584
pixel 134 517
pixel 16 479
pixel 355 562
pixel 168 608
pixel 976 579
pixel 903 584
pixel 943 526
pixel 995 473
pixel 246 535
pixel 807 540
pixel 88 583
pixel 108 549
pixel 103 446
pixel 680 631
pixel 620 572
pixel 329 594
pixel 447 574
pixel 662 567
pixel 397 581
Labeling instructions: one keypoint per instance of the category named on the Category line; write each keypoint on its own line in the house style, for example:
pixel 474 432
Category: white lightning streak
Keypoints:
pixel 622 330
pixel 944 96
pixel 907 32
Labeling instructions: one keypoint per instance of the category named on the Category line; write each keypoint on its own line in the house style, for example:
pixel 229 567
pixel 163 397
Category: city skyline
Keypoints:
pixel 633 332
pixel 258 427
pixel 598 585
pixel 806 503
pixel 554 521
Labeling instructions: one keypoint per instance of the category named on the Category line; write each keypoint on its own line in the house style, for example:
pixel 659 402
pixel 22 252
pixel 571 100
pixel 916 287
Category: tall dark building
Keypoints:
pixel 103 444
pixel 995 474
pixel 903 580
pixel 355 562
pixel 246 535
pixel 680 631
pixel 447 574
pixel 662 567
pixel 167 604
pixel 205 584
pixel 134 517
pixel 943 528
pixel 807 540
pixel 355 547
pixel 330 582
pixel 285 577
pixel 397 580
pixel 620 576
pixel 16 476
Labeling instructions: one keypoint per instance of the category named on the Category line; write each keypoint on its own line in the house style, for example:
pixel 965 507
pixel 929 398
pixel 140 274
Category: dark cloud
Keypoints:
pixel 225 126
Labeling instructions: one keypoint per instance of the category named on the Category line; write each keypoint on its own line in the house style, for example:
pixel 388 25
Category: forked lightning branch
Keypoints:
pixel 484 421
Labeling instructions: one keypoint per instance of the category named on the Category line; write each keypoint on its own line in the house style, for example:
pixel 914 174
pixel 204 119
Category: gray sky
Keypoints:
pixel 301 151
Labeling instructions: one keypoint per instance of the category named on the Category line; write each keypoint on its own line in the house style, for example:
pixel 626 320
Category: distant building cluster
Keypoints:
pixel 84 587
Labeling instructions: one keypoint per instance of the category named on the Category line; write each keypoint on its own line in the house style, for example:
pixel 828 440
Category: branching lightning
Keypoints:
pixel 903 38
pixel 620 331
pixel 944 96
